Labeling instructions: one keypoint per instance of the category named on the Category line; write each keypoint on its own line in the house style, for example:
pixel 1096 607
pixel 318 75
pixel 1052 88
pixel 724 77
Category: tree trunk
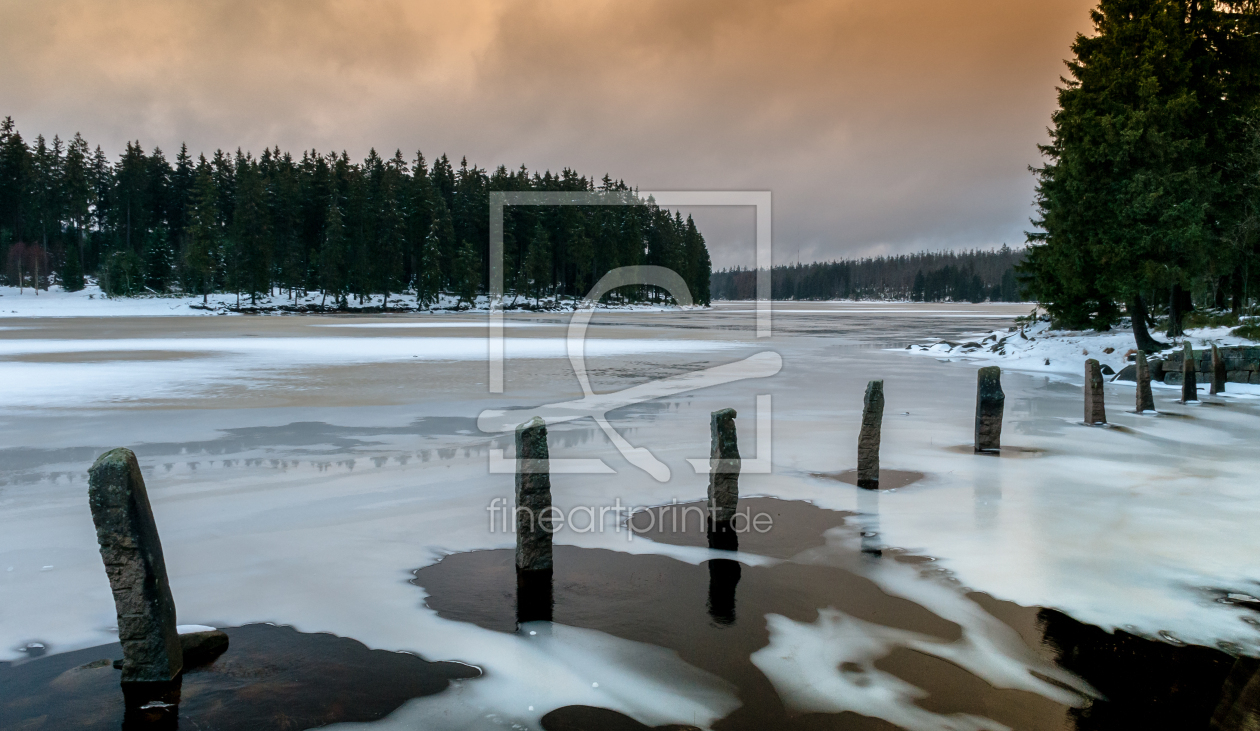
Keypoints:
pixel 1174 311
pixel 1236 282
pixel 1141 334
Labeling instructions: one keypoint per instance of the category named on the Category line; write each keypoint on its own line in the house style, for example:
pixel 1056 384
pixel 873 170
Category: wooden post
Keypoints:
pixel 868 439
pixel 533 497
pixel 1218 372
pixel 990 401
pixel 724 467
pixel 1094 411
pixel 1145 399
pixel 132 553
pixel 1189 381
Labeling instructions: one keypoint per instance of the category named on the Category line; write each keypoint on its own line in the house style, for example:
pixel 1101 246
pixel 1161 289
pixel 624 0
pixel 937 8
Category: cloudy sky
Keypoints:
pixel 883 126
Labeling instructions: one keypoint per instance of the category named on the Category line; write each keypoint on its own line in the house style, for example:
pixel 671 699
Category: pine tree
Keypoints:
pixel 1131 199
pixel 333 277
pixel 202 255
pixel 250 233
pixel 467 273
pixel 428 280
pixel 159 260
pixel 536 271
pixel 76 196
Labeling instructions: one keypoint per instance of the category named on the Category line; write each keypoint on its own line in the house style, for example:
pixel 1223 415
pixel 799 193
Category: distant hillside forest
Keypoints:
pixel 314 223
pixel 947 276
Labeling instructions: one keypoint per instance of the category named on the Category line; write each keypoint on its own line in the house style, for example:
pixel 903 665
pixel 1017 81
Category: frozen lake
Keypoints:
pixel 301 468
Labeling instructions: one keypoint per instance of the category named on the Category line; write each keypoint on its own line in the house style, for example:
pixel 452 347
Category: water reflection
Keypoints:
pixel 988 495
pixel 724 573
pixel 868 507
pixel 534 600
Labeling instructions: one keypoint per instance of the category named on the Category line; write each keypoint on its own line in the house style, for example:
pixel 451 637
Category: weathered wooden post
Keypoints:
pixel 1189 382
pixel 1218 372
pixel 132 553
pixel 533 523
pixel 868 439
pixel 1095 413
pixel 1145 398
pixel 724 467
pixel 533 497
pixel 990 401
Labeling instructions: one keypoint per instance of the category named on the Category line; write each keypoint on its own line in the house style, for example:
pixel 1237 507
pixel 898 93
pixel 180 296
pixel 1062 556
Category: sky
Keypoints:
pixel 880 127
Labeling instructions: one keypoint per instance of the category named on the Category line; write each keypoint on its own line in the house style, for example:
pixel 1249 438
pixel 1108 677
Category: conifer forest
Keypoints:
pixel 954 276
pixel 281 225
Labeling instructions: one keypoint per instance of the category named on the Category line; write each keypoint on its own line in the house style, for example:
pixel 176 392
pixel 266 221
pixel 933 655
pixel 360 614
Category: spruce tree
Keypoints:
pixel 536 271
pixel 467 273
pixel 202 254
pixel 1131 197
pixel 333 277
pixel 428 280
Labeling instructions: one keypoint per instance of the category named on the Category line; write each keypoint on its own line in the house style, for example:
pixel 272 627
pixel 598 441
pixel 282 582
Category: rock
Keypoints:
pixel 1095 413
pixel 1127 373
pixel 990 401
pixel 1142 369
pixel 1107 370
pixel 533 497
pixel 132 553
pixel 1084 351
pixel 1130 354
pixel 201 648
pixel 1047 361
pixel 1108 351
pixel 723 467
pixel 868 439
pixel 1189 381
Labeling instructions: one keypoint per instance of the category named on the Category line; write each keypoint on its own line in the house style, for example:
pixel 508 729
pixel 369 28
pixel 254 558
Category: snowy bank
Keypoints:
pixel 1062 353
pixel 91 302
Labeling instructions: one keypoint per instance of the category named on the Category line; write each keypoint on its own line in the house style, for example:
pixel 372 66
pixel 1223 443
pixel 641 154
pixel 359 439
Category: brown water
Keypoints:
pixel 713 614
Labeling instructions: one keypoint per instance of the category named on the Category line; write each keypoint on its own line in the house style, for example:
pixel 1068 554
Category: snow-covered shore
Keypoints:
pixel 1062 353
pixel 91 302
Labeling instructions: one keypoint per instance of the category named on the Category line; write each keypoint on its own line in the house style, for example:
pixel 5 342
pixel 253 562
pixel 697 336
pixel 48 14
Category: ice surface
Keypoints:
pixel 571 666
pixel 829 667
pixel 312 514
pixel 207 362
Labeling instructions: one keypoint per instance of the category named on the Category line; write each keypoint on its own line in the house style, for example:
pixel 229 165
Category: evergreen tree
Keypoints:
pixel 202 255
pixel 536 271
pixel 159 260
pixel 250 235
pixel 428 269
pixel 1131 198
pixel 332 256
pixel 467 273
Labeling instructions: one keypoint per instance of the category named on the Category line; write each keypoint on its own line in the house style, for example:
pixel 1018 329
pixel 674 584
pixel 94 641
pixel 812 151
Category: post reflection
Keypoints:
pixel 868 507
pixel 724 573
pixel 151 706
pixel 534 600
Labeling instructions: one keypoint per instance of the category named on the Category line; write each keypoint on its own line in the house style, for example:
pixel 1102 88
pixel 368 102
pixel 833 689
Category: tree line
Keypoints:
pixel 1149 198
pixel 957 276
pixel 279 225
